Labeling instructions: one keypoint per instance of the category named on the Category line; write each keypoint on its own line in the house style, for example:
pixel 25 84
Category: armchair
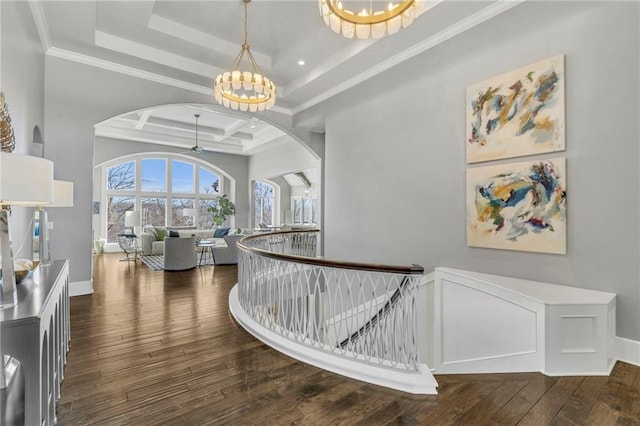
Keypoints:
pixel 179 253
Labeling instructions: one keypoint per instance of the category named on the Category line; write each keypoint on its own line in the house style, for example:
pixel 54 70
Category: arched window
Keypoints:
pixel 163 190
pixel 264 197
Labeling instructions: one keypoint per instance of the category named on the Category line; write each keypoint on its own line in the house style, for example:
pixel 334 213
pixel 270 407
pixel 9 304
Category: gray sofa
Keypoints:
pixel 224 255
pixel 228 255
pixel 150 245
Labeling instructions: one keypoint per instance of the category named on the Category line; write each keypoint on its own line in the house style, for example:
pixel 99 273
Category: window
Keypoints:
pixel 263 196
pixel 177 216
pixel 116 208
pixel 154 175
pixel 159 187
pixel 154 211
pixel 183 178
pixel 122 177
pixel 209 182
pixel 305 210
pixel 204 215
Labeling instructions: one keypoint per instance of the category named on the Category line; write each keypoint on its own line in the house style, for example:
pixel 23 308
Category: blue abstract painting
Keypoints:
pixel 518 206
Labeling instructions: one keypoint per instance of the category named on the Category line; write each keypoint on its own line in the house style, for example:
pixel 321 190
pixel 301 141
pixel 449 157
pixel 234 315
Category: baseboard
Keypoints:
pixel 626 350
pixel 79 288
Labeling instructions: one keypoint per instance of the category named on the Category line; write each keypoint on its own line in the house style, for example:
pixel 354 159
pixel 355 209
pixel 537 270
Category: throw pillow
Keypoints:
pixel 160 234
pixel 220 232
pixel 174 234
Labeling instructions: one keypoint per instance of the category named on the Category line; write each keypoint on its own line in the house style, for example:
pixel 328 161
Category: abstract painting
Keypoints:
pixel 517 113
pixel 518 206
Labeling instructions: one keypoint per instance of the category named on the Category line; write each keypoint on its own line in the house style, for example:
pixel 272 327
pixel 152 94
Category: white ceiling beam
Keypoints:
pixel 189 127
pixel 166 140
pixel 188 34
pixel 159 56
pixel 233 128
pixel 144 117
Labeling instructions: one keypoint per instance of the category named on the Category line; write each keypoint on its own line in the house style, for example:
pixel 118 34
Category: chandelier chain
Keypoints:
pixel 245 24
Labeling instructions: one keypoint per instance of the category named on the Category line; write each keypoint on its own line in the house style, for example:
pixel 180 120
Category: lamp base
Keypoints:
pixel 8 290
pixel 9 299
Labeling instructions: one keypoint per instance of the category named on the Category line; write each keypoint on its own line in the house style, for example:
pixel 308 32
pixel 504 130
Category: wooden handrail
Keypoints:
pixel 374 267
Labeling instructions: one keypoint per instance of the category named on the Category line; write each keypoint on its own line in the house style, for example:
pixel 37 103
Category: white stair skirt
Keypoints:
pixel 422 382
pixel 491 324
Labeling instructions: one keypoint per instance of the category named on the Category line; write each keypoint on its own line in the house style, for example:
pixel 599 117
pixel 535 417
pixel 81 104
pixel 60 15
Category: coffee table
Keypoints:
pixel 207 247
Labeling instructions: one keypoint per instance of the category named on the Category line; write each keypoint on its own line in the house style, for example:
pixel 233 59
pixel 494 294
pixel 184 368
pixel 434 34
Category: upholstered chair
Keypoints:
pixel 179 253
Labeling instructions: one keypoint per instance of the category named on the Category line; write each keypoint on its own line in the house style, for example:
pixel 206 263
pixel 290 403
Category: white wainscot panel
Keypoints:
pixel 463 340
pixel 490 324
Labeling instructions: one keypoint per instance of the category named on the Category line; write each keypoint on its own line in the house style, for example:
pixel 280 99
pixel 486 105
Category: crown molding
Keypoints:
pixel 41 23
pixel 158 56
pixel 138 73
pixel 199 38
pixel 466 24
pixel 124 69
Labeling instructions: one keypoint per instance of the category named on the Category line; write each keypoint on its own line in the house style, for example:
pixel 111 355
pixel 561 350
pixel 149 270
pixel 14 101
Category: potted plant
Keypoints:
pixel 222 209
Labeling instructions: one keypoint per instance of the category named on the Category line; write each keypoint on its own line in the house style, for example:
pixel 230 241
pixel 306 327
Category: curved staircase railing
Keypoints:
pixel 355 319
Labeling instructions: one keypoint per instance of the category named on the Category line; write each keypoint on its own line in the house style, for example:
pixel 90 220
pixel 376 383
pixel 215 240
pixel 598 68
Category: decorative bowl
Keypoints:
pixel 22 275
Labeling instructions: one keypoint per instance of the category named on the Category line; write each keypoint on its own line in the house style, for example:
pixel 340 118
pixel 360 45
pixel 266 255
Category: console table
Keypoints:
pixel 36 332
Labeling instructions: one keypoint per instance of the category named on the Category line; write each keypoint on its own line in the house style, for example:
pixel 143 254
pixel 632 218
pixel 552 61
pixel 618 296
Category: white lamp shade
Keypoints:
pixel 131 218
pixel 189 212
pixel 62 194
pixel 25 180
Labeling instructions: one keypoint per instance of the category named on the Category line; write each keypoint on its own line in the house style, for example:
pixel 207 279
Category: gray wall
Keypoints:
pixel 23 85
pixel 395 152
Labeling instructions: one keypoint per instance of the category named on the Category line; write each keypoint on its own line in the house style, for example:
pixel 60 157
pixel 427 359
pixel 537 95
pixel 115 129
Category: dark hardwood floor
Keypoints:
pixel 152 348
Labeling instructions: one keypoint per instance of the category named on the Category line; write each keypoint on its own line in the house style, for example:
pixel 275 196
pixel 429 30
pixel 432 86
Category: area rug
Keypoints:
pixel 156 261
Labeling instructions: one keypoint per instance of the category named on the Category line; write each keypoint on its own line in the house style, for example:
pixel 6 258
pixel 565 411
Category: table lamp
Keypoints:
pixel 24 181
pixel 62 197
pixel 131 219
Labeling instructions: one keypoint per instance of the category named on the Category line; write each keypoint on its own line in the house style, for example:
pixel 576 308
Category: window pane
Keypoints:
pixel 263 204
pixel 209 182
pixel 182 177
pixel 297 210
pixel 154 211
pixel 179 204
pixel 314 216
pixel 154 175
pixel 122 177
pixel 306 211
pixel 206 217
pixel 116 208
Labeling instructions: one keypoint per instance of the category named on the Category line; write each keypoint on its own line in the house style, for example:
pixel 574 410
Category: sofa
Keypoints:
pixel 153 240
pixel 228 255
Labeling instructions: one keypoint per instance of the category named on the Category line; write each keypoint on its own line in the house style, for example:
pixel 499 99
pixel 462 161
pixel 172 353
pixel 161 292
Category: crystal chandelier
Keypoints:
pixel 369 22
pixel 247 90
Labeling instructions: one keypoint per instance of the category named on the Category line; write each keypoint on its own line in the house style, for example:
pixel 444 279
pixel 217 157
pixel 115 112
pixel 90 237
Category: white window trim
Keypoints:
pixel 276 202
pixel 138 194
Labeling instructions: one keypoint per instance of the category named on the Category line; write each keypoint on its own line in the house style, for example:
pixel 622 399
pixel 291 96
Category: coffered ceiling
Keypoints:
pixel 187 43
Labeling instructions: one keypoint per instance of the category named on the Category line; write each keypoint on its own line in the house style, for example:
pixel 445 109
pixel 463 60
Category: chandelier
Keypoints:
pixel 247 90
pixel 369 22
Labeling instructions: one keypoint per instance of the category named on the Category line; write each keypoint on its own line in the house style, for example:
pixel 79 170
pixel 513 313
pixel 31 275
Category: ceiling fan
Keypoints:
pixel 197 148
